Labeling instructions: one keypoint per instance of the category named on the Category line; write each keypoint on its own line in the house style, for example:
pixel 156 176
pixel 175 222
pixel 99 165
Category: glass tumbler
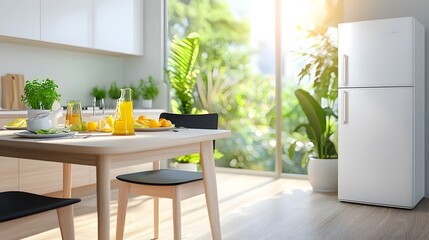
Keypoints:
pixel 73 113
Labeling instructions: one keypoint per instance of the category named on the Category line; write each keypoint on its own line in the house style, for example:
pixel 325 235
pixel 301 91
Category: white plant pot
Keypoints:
pixel 147 103
pixel 31 113
pixel 193 167
pixel 323 174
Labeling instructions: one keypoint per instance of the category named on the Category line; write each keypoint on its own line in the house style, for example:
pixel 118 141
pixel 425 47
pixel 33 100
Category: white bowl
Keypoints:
pixel 36 124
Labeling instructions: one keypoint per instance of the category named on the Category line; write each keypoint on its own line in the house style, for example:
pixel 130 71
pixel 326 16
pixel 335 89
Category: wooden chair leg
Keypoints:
pixel 177 217
pixel 122 209
pixel 156 217
pixel 66 222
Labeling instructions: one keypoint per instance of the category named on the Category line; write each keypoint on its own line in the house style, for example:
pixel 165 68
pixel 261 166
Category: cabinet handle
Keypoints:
pixel 345 68
pixel 345 110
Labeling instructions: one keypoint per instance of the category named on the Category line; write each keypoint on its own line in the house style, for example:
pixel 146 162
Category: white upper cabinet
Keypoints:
pixel 118 26
pixel 105 25
pixel 20 18
pixel 67 22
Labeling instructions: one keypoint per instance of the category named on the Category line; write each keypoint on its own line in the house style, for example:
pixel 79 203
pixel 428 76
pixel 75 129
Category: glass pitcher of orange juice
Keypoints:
pixel 124 120
pixel 73 113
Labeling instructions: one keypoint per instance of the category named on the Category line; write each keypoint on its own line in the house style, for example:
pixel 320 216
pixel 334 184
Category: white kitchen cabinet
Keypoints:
pixel 118 26
pixel 40 177
pixel 20 19
pixel 67 22
pixel 9 174
pixel 47 177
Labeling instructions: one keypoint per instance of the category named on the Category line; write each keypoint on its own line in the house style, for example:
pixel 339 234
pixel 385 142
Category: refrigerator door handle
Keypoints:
pixel 345 110
pixel 345 68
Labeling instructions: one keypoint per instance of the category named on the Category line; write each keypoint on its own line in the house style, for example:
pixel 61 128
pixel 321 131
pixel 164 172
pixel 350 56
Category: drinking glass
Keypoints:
pixel 73 113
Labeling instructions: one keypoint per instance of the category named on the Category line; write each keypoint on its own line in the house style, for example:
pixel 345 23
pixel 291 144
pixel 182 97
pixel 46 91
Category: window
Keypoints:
pixel 236 63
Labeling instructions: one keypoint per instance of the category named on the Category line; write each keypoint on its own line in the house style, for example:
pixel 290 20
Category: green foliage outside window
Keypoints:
pixel 227 84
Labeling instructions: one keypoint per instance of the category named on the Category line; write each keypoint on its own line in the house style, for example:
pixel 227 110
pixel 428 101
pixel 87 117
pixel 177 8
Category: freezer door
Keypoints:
pixel 375 143
pixel 376 53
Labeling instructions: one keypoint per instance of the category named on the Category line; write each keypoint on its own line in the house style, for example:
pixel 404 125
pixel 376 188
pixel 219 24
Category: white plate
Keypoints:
pixel 15 128
pixel 153 129
pixel 27 134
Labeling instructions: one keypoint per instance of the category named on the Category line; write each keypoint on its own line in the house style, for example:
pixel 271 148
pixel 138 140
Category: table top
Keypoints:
pixel 102 143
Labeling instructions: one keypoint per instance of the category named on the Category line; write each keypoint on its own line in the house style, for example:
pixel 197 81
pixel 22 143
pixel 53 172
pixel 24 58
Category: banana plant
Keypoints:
pixel 181 72
pixel 320 127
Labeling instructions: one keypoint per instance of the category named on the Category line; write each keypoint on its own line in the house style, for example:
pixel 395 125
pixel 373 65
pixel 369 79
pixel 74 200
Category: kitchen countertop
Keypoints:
pixel 10 114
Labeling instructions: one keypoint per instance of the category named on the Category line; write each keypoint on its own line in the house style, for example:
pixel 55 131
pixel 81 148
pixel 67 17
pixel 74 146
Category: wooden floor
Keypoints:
pixel 258 208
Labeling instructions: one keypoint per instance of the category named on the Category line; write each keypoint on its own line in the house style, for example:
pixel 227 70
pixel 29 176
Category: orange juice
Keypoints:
pixel 73 118
pixel 73 113
pixel 124 123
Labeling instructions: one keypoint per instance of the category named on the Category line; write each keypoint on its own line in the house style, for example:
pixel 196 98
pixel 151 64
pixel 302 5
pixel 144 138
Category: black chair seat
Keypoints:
pixel 161 177
pixel 15 204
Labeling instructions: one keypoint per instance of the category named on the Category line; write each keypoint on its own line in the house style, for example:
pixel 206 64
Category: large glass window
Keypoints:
pixel 309 53
pixel 236 65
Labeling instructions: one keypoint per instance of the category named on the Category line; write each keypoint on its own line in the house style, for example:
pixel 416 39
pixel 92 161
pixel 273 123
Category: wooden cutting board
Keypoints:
pixel 12 86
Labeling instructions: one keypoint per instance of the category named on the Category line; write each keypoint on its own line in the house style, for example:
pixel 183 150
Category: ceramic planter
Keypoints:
pixel 323 174
pixel 147 103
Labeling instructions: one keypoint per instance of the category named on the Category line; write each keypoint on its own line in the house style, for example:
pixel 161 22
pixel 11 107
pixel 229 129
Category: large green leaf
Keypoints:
pixel 182 76
pixel 315 114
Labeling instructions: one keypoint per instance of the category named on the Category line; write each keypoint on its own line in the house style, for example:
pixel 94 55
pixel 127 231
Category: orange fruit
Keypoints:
pixel 153 123
pixel 92 126
pixel 164 122
pixel 142 118
pixel 143 122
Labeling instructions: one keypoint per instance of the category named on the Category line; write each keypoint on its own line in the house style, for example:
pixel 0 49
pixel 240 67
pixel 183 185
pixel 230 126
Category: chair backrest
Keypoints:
pixel 202 121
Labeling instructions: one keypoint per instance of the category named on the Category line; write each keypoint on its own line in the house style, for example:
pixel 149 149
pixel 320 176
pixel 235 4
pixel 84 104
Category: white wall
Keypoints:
pixel 76 72
pixel 376 9
pixel 153 61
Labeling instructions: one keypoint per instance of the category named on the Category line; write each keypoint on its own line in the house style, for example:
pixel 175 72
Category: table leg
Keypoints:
pixel 66 180
pixel 209 174
pixel 103 197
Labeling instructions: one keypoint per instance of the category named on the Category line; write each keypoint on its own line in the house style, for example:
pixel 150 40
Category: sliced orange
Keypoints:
pixel 110 121
pixel 153 123
pixel 142 118
pixel 164 122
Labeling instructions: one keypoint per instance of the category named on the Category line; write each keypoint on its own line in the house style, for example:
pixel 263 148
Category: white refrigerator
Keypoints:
pixel 381 112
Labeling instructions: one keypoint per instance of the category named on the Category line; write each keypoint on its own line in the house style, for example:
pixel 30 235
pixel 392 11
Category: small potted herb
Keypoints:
pixel 98 93
pixel 39 96
pixel 149 91
pixel 114 93
pixel 136 93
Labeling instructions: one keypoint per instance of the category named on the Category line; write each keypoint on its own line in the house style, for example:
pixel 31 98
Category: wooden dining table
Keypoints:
pixel 105 150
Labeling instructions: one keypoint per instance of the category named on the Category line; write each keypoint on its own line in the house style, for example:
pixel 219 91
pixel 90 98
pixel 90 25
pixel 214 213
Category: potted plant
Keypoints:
pixel 98 93
pixel 114 93
pixel 149 91
pixel 191 162
pixel 322 165
pixel 321 69
pixel 40 96
pixel 136 94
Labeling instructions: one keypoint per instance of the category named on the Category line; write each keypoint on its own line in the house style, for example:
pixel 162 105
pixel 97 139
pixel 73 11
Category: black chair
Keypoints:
pixel 16 205
pixel 167 183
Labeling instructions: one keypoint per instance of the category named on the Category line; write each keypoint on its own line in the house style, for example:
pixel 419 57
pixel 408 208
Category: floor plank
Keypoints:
pixel 253 207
